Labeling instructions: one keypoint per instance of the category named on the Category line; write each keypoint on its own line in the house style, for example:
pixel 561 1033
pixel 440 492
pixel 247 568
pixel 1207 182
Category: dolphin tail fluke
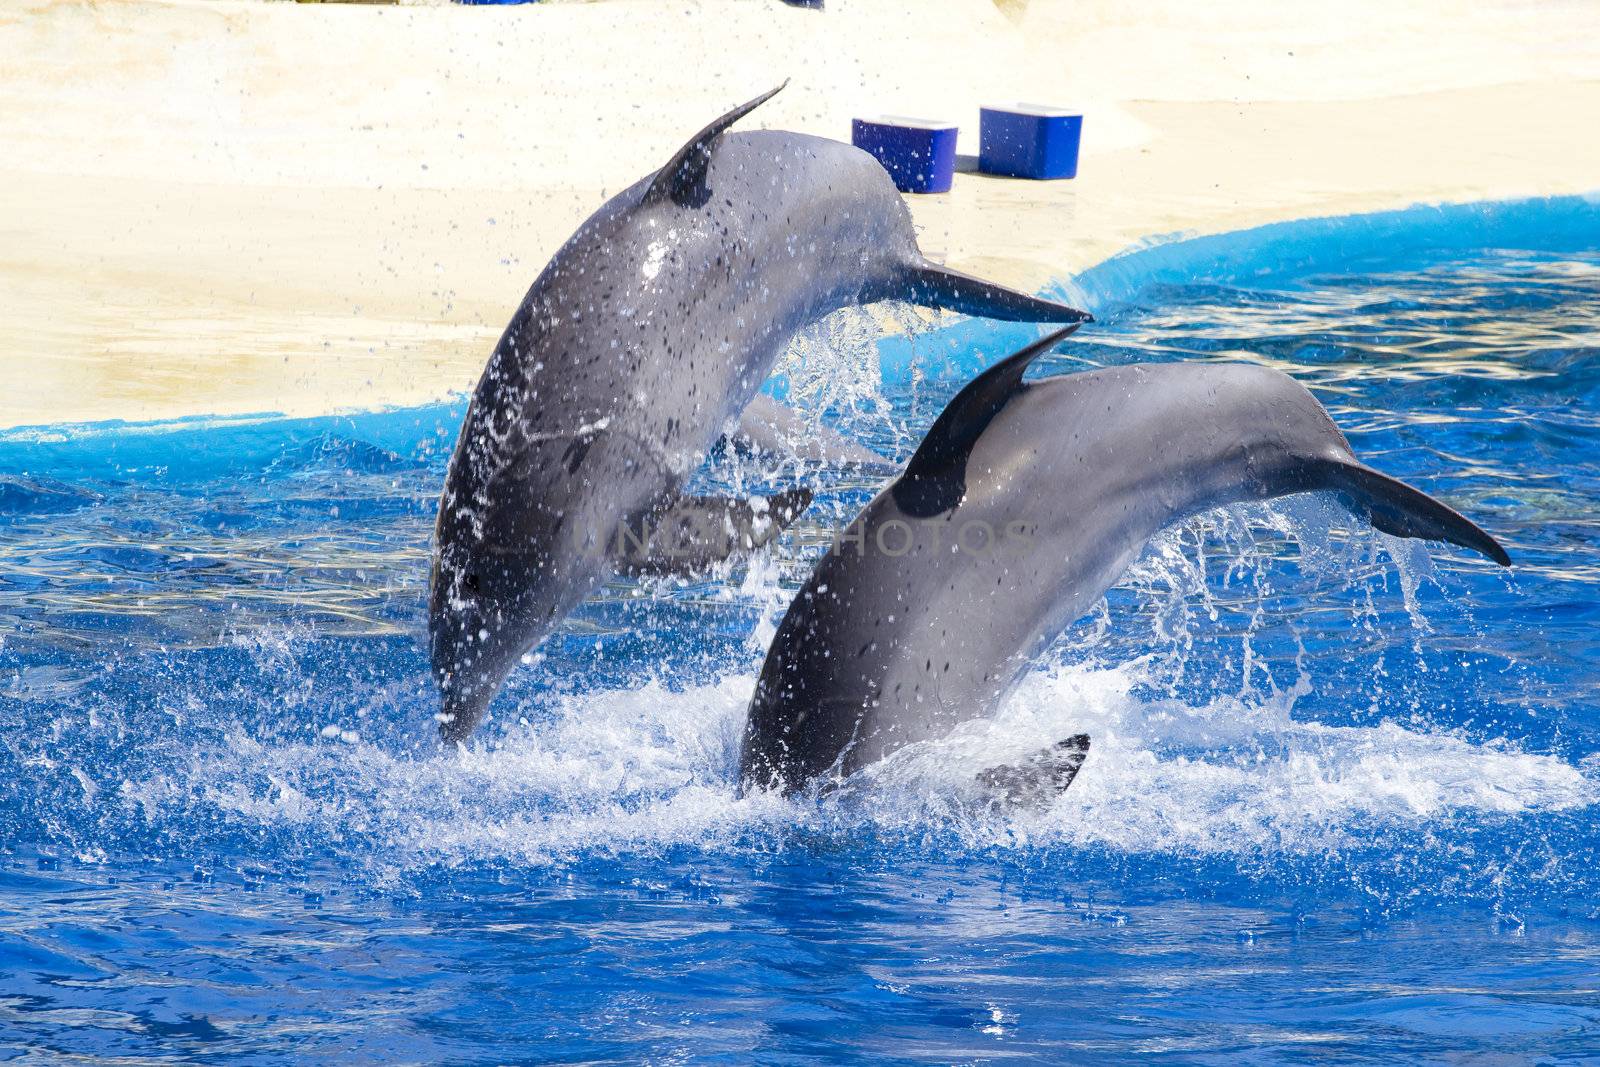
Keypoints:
pixel 934 286
pixel 1397 509
pixel 1040 778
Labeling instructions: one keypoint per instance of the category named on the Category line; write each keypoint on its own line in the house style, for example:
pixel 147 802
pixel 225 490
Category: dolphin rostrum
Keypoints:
pixel 644 337
pixel 1021 507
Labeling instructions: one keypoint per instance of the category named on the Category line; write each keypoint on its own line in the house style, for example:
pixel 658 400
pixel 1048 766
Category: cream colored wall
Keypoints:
pixel 212 206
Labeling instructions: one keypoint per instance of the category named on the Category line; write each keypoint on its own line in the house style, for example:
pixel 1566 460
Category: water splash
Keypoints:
pixel 1266 681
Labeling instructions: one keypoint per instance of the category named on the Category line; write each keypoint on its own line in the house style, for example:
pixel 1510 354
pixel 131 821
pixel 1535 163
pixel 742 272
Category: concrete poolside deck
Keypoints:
pixel 224 206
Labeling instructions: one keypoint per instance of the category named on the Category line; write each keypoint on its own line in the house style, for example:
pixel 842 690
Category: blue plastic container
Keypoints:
pixel 1029 141
pixel 919 154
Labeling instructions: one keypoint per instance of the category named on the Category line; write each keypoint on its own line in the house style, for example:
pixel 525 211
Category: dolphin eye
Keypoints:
pixel 471 582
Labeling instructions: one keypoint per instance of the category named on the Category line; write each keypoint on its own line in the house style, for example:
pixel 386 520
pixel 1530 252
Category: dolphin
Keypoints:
pixel 1021 507
pixel 639 343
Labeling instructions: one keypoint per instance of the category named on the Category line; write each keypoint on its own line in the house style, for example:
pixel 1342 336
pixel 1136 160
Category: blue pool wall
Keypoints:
pixel 1282 254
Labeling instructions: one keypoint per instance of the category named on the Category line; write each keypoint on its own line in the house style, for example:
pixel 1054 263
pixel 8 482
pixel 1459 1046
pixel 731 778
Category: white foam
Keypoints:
pixel 626 772
pixel 637 771
pixel 1230 776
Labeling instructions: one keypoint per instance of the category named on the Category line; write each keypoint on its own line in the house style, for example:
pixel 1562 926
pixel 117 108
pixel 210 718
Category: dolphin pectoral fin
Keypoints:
pixel 770 427
pixel 934 286
pixel 683 179
pixel 689 535
pixel 1397 509
pixel 1040 778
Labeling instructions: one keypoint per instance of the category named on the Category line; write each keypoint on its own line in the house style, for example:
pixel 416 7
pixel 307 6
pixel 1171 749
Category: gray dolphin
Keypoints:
pixel 646 334
pixel 1021 507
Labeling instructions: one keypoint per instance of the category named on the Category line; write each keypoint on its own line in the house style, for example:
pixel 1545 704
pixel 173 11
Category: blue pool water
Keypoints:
pixel 1341 804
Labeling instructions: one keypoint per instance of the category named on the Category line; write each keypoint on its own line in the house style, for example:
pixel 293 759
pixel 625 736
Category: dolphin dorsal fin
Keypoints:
pixel 936 478
pixel 964 419
pixel 683 179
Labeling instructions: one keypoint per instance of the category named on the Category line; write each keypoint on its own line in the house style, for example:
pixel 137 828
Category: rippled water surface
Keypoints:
pixel 1341 804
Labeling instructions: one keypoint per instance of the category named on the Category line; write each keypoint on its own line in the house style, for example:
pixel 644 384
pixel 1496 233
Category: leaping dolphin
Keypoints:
pixel 644 337
pixel 1021 507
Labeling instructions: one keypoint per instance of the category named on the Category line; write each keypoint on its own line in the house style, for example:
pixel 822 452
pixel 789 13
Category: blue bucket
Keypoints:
pixel 1029 141
pixel 919 154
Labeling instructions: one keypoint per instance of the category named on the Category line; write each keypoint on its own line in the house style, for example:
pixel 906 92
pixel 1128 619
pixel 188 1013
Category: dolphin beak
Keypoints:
pixel 461 712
